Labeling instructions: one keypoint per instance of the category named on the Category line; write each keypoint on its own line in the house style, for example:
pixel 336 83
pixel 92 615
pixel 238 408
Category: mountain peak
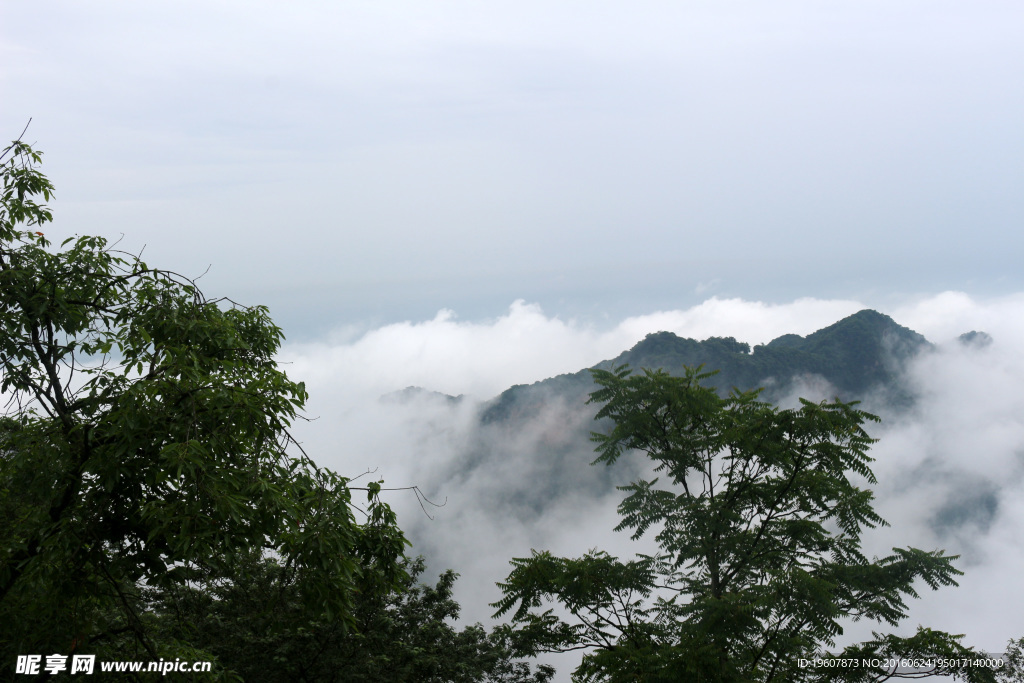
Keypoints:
pixel 856 355
pixel 975 339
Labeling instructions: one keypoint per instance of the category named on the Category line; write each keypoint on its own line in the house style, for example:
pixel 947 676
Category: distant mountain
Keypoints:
pixel 976 339
pixel 531 443
pixel 858 355
pixel 410 394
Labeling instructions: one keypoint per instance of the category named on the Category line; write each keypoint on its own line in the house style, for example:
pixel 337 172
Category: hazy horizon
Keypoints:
pixel 358 164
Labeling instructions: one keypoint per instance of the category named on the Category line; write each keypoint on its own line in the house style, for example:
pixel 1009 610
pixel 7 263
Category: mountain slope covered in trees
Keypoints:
pixel 857 355
pixel 546 425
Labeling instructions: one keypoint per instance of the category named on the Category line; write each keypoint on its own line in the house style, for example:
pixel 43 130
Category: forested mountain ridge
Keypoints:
pixel 856 355
pixel 545 427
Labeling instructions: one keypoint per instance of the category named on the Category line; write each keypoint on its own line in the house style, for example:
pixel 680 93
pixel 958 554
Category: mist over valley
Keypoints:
pixel 511 466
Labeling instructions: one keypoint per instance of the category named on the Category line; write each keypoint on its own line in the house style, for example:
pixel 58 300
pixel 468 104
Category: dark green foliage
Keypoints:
pixel 758 518
pixel 1013 671
pixel 147 479
pixel 256 625
pixel 145 441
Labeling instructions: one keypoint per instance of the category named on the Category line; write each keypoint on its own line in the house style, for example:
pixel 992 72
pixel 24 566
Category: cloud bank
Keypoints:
pixel 950 471
pixel 483 358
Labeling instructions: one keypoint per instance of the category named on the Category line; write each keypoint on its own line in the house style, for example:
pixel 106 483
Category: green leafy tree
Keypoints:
pixel 758 524
pixel 257 626
pixel 1013 659
pixel 145 442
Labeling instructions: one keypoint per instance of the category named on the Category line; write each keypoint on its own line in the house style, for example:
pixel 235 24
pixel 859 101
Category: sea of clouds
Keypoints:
pixel 950 471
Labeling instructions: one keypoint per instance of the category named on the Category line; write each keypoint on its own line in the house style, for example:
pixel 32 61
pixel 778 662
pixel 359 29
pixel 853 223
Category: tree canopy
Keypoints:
pixel 255 623
pixel 145 438
pixel 758 514
pixel 153 503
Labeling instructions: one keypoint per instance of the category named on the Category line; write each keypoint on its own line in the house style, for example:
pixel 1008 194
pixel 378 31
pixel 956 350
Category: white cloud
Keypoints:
pixel 524 345
pixel 963 441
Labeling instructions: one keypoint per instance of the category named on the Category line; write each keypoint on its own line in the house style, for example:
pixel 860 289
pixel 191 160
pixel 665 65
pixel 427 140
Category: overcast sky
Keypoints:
pixel 468 195
pixel 358 163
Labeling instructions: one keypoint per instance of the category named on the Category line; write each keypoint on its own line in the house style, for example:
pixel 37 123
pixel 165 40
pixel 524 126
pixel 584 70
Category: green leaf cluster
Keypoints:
pixel 145 442
pixel 758 514
pixel 255 623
